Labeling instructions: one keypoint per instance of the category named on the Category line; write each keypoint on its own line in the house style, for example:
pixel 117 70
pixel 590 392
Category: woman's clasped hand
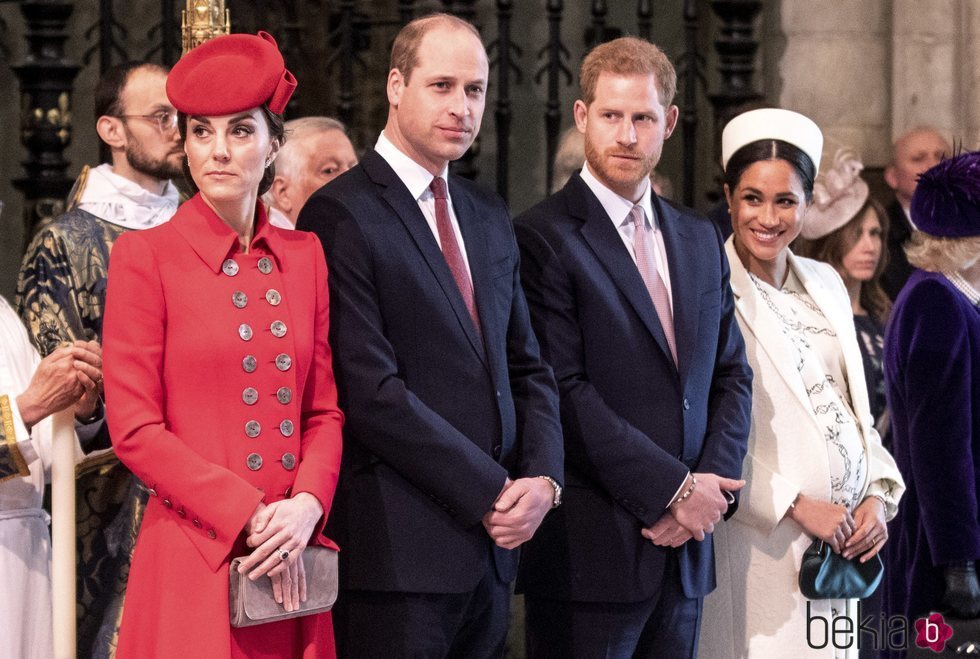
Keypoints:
pixel 279 532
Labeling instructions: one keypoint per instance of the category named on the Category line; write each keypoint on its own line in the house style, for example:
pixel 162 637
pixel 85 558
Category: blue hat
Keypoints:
pixel 946 202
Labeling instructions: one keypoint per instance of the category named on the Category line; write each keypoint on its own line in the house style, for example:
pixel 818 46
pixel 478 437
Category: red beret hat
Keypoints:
pixel 230 74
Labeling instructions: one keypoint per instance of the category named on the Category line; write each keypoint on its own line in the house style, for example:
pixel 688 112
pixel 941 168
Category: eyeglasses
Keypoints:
pixel 166 121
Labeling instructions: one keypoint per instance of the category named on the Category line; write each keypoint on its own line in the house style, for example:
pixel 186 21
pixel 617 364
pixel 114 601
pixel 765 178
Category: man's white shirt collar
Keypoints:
pixel 415 177
pixel 278 219
pixel 616 207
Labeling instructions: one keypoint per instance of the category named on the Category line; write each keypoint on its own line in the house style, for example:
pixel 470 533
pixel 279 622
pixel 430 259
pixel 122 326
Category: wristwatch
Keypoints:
pixel 556 501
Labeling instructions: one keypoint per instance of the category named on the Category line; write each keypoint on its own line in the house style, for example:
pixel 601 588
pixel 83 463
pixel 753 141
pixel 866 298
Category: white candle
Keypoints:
pixel 63 532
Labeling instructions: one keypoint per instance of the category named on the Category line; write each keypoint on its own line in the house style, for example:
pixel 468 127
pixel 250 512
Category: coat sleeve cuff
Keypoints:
pixel 215 540
pixel 16 449
pixel 886 489
pixel 766 497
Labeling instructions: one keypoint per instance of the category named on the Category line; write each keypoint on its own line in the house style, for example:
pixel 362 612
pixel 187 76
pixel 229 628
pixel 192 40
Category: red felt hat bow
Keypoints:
pixel 229 74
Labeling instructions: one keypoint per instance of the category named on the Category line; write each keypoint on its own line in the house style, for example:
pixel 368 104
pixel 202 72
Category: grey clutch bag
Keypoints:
pixel 252 602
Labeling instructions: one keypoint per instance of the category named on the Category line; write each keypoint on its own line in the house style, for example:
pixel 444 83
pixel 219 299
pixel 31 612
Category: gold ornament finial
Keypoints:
pixel 202 21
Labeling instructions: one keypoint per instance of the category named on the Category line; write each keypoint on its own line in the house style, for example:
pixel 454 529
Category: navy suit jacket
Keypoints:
pixel 897 270
pixel 436 418
pixel 634 423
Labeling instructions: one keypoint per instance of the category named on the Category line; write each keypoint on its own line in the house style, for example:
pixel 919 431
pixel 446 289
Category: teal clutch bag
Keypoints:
pixel 825 575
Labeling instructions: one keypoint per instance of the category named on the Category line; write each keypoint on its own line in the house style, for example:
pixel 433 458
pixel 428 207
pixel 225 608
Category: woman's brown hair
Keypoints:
pixel 835 245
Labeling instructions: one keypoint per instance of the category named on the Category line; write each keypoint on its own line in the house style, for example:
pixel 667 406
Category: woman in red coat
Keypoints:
pixel 218 376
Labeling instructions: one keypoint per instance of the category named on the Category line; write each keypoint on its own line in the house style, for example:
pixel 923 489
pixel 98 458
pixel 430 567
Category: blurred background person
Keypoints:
pixel 912 153
pixel 846 228
pixel 222 392
pixel 661 185
pixel 569 157
pixel 61 297
pixel 932 366
pixel 317 150
pixel 61 287
pixel 816 467
pixel 31 389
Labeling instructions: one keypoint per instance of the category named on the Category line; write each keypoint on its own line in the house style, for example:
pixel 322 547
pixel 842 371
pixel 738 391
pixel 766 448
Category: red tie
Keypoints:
pixel 450 249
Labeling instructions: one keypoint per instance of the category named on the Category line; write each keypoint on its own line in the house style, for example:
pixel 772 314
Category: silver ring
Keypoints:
pixel 874 541
pixel 283 554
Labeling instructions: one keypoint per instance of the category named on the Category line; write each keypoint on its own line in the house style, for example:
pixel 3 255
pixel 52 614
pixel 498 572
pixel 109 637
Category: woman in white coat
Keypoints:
pixel 815 466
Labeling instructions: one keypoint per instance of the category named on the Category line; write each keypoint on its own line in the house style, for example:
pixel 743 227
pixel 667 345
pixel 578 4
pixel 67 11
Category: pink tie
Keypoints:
pixel 450 249
pixel 646 263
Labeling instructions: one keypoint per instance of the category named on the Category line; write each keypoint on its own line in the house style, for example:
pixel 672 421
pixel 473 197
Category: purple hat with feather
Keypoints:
pixel 946 202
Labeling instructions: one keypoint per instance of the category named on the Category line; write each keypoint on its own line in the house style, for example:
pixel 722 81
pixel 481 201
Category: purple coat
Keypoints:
pixel 932 368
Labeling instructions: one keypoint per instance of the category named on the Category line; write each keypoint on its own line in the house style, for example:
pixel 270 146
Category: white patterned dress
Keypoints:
pixel 820 364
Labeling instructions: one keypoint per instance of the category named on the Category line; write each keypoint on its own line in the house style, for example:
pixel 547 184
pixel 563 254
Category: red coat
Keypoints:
pixel 196 383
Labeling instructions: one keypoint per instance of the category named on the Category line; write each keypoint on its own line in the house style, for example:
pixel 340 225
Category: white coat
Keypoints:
pixel 757 609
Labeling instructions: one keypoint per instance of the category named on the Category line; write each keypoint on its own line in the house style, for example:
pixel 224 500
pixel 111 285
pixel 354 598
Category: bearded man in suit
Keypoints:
pixel 629 296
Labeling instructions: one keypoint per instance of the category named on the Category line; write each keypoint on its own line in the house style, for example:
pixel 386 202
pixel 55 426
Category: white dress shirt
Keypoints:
pixel 417 179
pixel 278 219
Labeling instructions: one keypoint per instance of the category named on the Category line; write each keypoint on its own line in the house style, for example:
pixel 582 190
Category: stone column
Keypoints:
pixel 834 68
pixel 929 58
pixel 970 75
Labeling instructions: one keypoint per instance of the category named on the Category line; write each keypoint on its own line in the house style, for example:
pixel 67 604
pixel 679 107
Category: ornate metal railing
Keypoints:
pixel 342 46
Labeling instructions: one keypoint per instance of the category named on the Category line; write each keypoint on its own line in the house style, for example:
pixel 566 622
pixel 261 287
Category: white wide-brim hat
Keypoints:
pixel 772 124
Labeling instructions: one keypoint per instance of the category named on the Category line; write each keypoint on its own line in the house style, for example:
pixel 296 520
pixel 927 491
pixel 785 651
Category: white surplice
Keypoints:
pixel 25 544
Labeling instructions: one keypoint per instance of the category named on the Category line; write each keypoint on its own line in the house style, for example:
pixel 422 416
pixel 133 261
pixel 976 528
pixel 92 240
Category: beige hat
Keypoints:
pixel 772 124
pixel 838 194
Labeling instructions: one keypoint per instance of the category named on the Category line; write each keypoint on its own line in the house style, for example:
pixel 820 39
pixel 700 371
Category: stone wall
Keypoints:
pixel 868 70
pixel 835 69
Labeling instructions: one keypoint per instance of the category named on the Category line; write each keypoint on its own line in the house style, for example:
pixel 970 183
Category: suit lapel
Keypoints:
pixel 475 239
pixel 768 336
pixel 682 258
pixel 407 210
pixel 602 236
